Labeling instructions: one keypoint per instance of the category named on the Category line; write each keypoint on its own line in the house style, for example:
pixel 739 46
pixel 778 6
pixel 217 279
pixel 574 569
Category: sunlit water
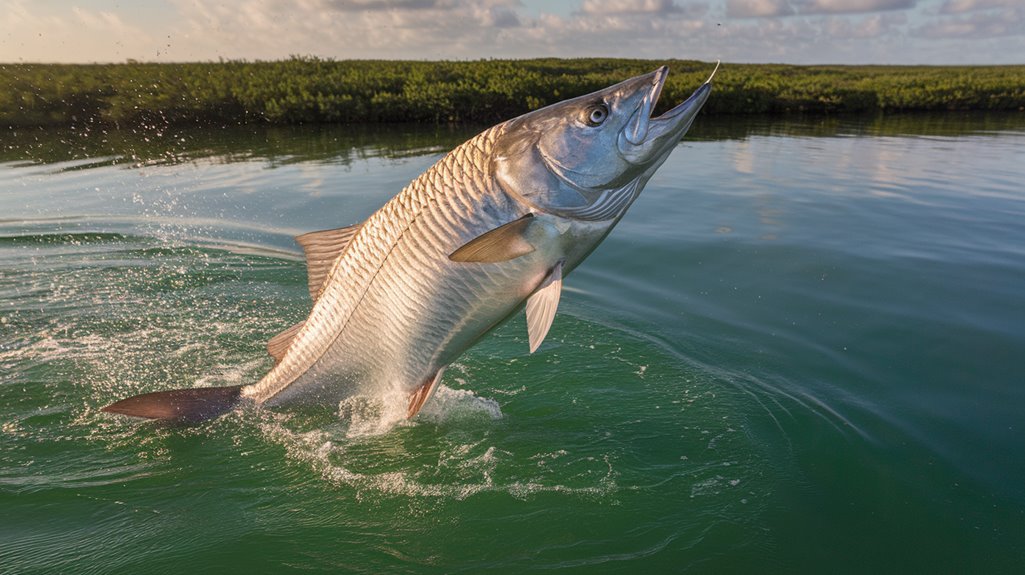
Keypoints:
pixel 802 350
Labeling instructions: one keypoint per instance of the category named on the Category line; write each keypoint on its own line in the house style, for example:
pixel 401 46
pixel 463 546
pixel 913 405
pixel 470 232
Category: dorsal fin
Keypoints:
pixel 322 249
pixel 541 307
pixel 278 345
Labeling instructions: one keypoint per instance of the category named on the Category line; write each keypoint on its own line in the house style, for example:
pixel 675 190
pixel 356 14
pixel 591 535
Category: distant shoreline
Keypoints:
pixel 312 90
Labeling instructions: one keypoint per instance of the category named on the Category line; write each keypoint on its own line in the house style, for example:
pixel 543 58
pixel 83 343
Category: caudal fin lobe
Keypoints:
pixel 180 405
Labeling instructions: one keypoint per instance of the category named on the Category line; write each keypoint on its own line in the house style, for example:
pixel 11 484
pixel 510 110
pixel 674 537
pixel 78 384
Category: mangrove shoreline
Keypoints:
pixel 305 90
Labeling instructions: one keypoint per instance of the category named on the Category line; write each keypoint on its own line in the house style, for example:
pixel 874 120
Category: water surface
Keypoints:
pixel 800 351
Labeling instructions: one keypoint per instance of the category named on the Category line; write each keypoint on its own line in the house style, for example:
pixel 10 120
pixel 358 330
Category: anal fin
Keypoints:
pixel 278 345
pixel 420 395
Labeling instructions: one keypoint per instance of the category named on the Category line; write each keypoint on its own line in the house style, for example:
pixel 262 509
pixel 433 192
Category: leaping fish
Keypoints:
pixel 491 228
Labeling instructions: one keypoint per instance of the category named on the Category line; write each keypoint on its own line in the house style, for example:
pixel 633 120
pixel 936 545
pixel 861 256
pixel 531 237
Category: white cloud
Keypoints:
pixel 979 25
pixel 266 29
pixel 874 26
pixel 852 6
pixel 796 31
pixel 432 29
pixel 648 7
pixel 775 8
pixel 377 5
pixel 758 8
pixel 962 6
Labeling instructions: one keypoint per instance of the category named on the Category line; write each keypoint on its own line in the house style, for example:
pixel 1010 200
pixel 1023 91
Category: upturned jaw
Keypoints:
pixel 555 161
pixel 636 128
pixel 643 136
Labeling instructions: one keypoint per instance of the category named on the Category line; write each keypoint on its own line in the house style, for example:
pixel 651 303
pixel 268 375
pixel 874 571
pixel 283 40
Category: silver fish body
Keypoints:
pixel 491 228
pixel 395 308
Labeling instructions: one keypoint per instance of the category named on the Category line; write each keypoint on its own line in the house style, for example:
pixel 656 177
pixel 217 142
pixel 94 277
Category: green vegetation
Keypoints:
pixel 312 90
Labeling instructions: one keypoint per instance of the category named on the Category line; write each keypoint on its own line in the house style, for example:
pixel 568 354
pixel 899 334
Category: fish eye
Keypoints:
pixel 597 114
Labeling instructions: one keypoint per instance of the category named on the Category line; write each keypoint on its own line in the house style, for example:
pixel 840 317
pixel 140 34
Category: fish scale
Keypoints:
pixel 422 294
pixel 491 228
pixel 383 302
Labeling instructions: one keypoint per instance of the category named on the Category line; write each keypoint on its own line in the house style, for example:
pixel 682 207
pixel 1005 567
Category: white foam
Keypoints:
pixel 367 451
pixel 369 416
pixel 457 404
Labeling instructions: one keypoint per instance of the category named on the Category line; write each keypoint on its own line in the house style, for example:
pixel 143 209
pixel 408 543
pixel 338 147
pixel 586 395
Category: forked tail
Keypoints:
pixel 180 405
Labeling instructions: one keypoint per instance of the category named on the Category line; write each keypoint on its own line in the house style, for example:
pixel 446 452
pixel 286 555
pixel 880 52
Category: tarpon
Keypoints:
pixel 491 228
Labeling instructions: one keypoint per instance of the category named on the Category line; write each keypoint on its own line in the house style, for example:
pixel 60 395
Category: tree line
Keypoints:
pixel 314 90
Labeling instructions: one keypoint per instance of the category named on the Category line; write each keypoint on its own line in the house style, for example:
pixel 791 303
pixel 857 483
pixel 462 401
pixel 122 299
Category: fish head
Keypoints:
pixel 589 157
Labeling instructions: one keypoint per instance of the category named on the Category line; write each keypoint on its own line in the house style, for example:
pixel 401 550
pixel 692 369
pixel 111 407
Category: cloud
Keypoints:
pixel 794 31
pixel 413 5
pixel 501 18
pixel 778 8
pixel 758 8
pixel 964 20
pixel 378 5
pixel 872 26
pixel 440 29
pixel 852 6
pixel 976 22
pixel 268 29
pixel 647 7
pixel 962 6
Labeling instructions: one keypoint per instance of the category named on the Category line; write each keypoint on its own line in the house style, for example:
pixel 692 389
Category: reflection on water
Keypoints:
pixel 96 145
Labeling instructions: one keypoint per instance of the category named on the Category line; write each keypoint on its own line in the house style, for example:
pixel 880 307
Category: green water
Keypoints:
pixel 801 351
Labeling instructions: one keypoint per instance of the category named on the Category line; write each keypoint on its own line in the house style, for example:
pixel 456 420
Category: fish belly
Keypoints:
pixel 396 309
pixel 420 312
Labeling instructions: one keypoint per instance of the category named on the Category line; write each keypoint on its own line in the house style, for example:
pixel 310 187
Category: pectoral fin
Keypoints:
pixel 420 395
pixel 541 307
pixel 498 245
pixel 322 249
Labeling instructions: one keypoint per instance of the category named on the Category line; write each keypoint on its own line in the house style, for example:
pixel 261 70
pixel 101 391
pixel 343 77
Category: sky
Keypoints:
pixel 758 31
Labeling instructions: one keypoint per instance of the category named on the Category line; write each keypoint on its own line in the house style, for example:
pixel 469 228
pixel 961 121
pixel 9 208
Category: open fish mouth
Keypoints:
pixel 642 128
pixel 637 128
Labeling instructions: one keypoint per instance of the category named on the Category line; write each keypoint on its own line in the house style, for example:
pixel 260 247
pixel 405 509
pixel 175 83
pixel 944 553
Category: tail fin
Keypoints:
pixel 180 405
